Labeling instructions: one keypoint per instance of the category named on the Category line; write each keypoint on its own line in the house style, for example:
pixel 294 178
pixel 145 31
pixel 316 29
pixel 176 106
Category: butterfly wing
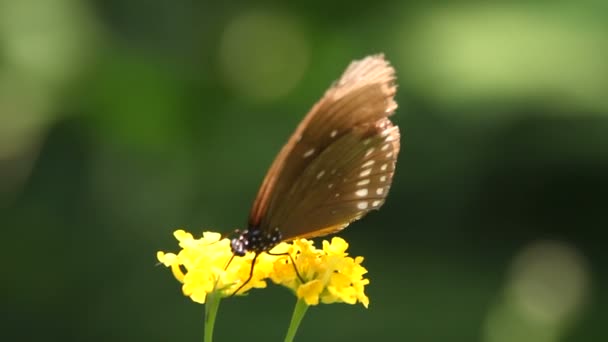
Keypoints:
pixel 351 177
pixel 330 146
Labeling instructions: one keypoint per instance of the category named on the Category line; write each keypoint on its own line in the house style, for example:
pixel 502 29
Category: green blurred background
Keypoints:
pixel 123 120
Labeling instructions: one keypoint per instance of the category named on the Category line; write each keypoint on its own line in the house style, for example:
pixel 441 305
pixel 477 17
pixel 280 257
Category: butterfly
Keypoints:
pixel 336 167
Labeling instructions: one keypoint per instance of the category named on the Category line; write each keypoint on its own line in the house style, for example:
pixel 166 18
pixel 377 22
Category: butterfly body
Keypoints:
pixel 255 240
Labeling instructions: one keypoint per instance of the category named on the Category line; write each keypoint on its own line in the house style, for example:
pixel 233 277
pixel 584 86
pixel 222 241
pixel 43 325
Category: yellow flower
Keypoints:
pixel 329 275
pixel 201 266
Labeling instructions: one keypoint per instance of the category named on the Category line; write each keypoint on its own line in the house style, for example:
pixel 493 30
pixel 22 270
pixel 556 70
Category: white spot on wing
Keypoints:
pixel 308 153
pixel 390 154
pixel 368 163
pixel 365 173
pixel 361 193
pixel 320 174
pixel 363 182
pixel 379 191
pixel 383 167
pixel 376 203
pixel 369 151
pixel 362 205
pixel 330 185
pixel 367 141
pixel 383 179
pixel 385 147
pixel 333 133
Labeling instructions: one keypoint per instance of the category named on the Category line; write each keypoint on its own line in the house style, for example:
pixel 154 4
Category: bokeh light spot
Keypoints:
pixel 44 46
pixel 547 287
pixel 463 54
pixel 263 55
pixel 49 41
pixel 549 281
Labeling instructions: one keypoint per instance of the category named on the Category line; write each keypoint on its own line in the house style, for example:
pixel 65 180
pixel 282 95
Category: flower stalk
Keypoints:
pixel 211 307
pixel 298 313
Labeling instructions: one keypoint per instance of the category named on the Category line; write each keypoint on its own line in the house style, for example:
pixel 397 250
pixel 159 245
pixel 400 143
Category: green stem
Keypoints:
pixel 211 306
pixel 298 313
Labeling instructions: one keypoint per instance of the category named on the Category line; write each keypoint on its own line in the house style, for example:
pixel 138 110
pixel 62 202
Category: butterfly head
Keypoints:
pixel 255 240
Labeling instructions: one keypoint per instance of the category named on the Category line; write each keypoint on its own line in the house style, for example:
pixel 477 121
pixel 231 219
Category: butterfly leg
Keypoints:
pixel 293 262
pixel 229 262
pixel 250 274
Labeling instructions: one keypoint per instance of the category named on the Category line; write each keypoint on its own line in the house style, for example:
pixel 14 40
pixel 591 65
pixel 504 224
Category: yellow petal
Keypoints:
pixel 166 259
pixel 181 235
pixel 310 292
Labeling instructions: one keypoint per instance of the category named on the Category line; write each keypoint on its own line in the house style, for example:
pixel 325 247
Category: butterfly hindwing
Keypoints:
pixel 349 179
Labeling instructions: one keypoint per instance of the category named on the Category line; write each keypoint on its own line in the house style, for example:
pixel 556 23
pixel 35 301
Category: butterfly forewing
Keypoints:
pixel 315 185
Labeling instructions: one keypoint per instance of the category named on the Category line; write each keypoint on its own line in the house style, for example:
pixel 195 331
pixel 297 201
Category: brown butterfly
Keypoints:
pixel 336 167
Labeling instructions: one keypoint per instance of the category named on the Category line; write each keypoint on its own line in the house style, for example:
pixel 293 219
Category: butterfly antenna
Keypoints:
pixel 227 235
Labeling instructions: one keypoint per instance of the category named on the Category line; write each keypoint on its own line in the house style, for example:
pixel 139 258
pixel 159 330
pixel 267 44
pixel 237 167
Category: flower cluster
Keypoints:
pixel 328 275
pixel 201 266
